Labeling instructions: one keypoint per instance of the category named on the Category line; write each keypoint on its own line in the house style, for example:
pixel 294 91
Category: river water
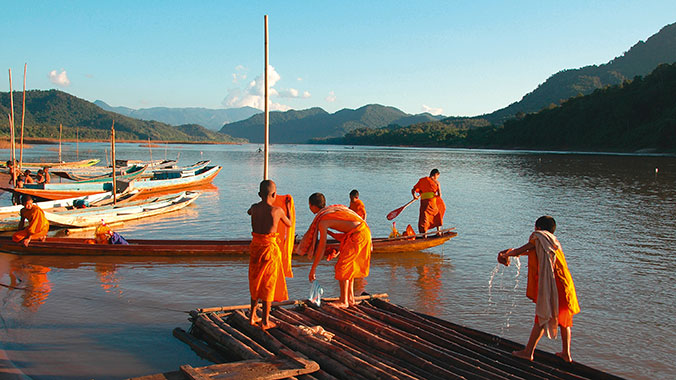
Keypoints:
pixel 112 318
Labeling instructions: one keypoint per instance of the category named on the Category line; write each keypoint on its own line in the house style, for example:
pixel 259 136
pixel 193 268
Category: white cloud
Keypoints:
pixel 239 74
pixel 331 97
pixel 433 111
pixel 59 79
pixel 306 94
pixel 253 95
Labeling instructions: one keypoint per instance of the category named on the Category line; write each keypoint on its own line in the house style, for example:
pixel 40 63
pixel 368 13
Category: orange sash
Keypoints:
pixel 358 207
pixel 266 275
pixel 286 235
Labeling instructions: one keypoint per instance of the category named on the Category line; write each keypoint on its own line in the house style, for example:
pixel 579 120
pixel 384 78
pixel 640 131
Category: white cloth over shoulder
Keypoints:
pixel 547 305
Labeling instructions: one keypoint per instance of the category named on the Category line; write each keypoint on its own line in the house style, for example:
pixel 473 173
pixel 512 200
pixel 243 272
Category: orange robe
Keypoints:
pixel 354 254
pixel 358 207
pixel 286 235
pixel 38 225
pixel 266 275
pixel 565 288
pixel 432 207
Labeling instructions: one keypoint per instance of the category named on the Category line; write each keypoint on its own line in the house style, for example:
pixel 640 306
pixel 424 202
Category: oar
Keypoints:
pixel 394 213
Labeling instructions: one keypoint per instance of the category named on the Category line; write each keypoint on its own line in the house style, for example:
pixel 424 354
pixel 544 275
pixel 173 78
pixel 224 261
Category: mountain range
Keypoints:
pixel 315 123
pixel 210 118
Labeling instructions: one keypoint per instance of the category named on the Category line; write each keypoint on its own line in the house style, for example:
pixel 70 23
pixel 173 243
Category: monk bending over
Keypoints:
pixel 38 225
pixel 266 274
pixel 550 286
pixel 354 254
pixel 432 207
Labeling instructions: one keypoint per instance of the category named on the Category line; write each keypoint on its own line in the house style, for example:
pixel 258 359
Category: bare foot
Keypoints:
pixel 522 354
pixel 564 357
pixel 254 319
pixel 269 325
pixel 341 305
pixel 43 238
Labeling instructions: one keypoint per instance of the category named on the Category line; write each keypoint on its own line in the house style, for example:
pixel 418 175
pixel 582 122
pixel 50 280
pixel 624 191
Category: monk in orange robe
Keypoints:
pixel 38 225
pixel 354 235
pixel 357 205
pixel 266 271
pixel 550 286
pixel 432 207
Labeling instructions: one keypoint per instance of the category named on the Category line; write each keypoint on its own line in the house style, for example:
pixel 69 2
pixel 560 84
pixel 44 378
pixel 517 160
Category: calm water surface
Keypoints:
pixel 111 318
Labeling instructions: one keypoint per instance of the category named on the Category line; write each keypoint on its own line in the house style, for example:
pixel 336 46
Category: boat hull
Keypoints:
pixel 136 247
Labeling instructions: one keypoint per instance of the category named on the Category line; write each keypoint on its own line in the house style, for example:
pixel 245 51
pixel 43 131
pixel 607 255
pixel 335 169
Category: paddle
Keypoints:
pixel 394 213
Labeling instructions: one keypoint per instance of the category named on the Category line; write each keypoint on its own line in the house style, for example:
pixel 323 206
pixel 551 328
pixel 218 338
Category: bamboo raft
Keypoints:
pixel 372 340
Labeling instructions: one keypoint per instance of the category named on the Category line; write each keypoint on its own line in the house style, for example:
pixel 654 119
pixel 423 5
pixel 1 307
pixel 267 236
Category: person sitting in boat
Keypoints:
pixel 105 235
pixel 45 171
pixel 16 197
pixel 38 225
pixel 40 177
pixel 28 178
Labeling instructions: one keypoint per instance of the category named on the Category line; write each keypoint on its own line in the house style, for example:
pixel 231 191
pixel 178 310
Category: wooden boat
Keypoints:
pixel 71 164
pixel 148 186
pixel 125 174
pixel 156 247
pixel 88 217
pixel 60 203
pixel 176 172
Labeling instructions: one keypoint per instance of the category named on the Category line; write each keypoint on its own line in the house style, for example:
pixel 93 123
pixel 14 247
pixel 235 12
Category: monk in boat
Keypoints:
pixel 357 205
pixel 38 225
pixel 266 272
pixel 354 235
pixel 550 286
pixel 432 207
pixel 105 235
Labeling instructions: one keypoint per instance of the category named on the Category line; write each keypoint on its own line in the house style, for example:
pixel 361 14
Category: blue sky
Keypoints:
pixel 451 57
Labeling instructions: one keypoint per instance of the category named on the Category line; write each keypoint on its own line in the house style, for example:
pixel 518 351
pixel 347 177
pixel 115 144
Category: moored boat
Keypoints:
pixel 71 164
pixel 156 247
pixel 126 174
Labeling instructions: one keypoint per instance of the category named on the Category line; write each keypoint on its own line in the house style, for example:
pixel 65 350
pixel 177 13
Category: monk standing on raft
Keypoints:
pixel 266 274
pixel 432 207
pixel 354 255
pixel 38 225
pixel 550 286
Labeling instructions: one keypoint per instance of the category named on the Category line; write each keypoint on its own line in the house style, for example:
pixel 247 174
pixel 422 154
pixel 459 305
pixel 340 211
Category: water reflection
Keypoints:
pixel 30 281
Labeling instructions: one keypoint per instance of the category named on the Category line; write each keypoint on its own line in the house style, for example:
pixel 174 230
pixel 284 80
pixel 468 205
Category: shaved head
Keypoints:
pixel 266 188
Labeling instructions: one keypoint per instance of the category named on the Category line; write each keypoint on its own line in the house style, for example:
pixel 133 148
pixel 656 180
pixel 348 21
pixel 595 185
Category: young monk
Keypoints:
pixel 28 178
pixel 357 205
pixel 105 235
pixel 38 225
pixel 550 286
pixel 266 273
pixel 432 207
pixel 354 254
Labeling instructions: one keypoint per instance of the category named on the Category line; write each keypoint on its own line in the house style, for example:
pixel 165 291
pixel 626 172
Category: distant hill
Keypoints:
pixel 641 59
pixel 211 118
pixel 45 110
pixel 315 123
pixel 637 115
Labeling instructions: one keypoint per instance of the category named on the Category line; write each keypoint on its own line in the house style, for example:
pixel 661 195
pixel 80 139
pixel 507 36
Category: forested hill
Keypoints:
pixel 315 123
pixel 640 59
pixel 213 119
pixel 45 110
pixel 638 115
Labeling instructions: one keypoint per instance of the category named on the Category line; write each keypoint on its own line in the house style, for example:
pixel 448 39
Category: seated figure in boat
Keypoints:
pixel 27 176
pixel 38 225
pixel 105 235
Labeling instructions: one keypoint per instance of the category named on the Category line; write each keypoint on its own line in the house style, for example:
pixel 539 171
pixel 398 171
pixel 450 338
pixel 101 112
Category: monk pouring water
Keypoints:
pixel 354 235
pixel 266 272
pixel 38 225
pixel 550 286
pixel 432 207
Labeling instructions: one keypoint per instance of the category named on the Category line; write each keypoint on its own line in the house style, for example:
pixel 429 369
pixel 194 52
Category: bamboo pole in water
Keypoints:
pixel 267 110
pixel 23 114
pixel 77 142
pixel 11 122
pixel 60 132
pixel 112 152
pixel 150 148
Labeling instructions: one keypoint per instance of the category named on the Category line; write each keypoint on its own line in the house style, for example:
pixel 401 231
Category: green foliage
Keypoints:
pixel 45 110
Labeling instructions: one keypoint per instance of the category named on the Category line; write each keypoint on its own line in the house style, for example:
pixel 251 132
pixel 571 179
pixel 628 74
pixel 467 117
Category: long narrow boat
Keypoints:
pixel 59 203
pixel 71 164
pixel 176 172
pixel 89 217
pixel 146 247
pixel 73 189
pixel 126 174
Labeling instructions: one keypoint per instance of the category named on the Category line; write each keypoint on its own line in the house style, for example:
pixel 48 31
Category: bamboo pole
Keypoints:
pixel 60 133
pixel 260 350
pixel 232 344
pixel 198 346
pixel 11 122
pixel 267 100
pixel 112 152
pixel 77 143
pixel 287 303
pixel 151 150
pixel 23 114
pixel 11 156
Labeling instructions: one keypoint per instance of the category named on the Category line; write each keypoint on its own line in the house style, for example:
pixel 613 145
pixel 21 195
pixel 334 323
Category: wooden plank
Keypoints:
pixel 192 373
pixel 269 369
